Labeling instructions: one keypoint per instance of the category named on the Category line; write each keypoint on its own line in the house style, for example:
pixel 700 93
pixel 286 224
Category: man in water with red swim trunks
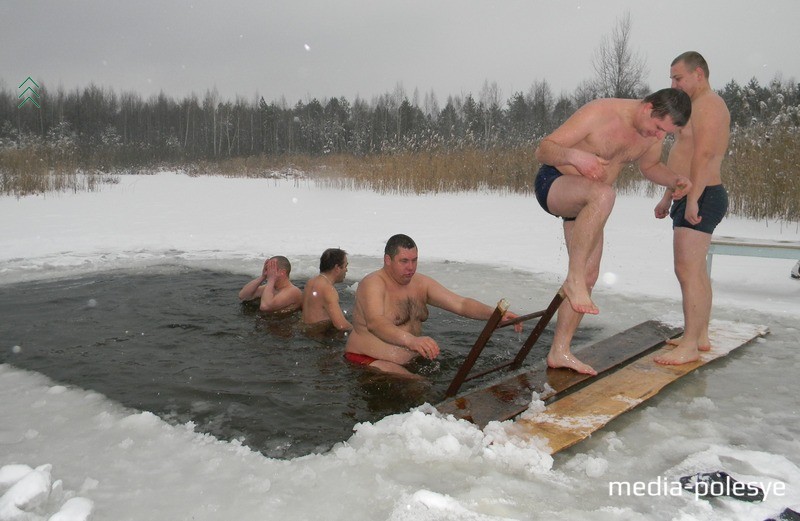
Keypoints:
pixel 391 305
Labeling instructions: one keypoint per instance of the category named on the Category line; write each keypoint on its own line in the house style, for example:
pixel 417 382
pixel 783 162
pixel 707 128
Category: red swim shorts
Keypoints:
pixel 358 358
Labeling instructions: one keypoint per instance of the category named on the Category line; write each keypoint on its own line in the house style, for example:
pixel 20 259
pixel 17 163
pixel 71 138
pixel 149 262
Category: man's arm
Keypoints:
pixel 662 207
pixel 252 289
pixel 557 149
pixel 442 297
pixel 331 304
pixel 372 294
pixel 652 168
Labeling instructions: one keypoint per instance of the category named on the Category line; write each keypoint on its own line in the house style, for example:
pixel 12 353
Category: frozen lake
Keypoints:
pixel 738 414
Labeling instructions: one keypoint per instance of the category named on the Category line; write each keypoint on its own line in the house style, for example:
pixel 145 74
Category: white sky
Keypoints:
pixel 367 48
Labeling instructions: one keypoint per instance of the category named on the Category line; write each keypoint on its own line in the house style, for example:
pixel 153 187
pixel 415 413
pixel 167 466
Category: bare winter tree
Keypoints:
pixel 619 72
pixel 490 101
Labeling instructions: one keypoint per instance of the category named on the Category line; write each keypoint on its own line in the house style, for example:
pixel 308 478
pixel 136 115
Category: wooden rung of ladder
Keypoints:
pixel 494 323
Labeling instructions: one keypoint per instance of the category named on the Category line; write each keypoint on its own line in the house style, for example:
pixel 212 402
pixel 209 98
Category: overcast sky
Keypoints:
pixel 329 48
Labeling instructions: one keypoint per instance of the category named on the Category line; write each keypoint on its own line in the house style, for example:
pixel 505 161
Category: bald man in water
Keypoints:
pixel 391 305
pixel 580 162
pixel 276 292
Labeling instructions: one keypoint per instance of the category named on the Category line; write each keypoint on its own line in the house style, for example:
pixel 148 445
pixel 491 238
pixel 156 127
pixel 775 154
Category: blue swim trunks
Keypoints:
pixel 541 187
pixel 713 204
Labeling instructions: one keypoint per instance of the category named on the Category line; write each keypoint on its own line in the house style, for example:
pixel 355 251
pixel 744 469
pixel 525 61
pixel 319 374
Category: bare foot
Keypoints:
pixel 570 362
pixel 704 345
pixel 579 298
pixel 682 354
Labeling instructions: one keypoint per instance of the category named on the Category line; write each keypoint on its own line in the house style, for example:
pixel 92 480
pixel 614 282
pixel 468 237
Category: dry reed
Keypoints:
pixel 38 170
pixel 761 172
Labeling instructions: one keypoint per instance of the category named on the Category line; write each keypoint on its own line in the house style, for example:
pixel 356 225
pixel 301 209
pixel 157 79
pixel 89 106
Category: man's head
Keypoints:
pixel 669 110
pixel 283 264
pixel 334 259
pixel 400 258
pixel 687 71
pixel 396 242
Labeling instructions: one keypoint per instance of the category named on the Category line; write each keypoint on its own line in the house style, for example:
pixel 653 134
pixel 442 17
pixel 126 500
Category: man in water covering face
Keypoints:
pixel 276 292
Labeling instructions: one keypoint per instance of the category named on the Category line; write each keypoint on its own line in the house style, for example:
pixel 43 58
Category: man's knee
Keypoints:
pixel 687 268
pixel 603 195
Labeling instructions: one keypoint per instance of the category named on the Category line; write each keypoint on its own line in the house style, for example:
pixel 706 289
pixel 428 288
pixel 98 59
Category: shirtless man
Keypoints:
pixel 391 305
pixel 278 294
pixel 697 153
pixel 580 162
pixel 320 298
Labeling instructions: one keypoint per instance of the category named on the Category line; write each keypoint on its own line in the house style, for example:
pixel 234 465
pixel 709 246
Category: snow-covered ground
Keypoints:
pixel 72 451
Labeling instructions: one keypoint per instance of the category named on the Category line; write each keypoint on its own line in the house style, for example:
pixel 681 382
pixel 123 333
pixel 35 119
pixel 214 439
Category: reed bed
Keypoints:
pixel 761 172
pixel 34 170
pixel 463 170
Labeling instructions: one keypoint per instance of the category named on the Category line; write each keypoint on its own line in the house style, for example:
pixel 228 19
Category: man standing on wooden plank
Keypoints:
pixel 697 153
pixel 580 162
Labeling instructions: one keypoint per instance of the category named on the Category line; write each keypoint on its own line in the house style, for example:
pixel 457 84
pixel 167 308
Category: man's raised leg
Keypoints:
pixel 591 202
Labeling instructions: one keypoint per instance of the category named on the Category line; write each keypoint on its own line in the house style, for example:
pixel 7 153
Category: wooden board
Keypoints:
pixel 575 417
pixel 505 399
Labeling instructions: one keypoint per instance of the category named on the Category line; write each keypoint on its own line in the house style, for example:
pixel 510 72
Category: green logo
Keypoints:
pixel 27 93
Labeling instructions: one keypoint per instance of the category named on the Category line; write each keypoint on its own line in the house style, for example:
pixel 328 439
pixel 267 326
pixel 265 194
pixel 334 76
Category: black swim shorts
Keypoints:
pixel 541 187
pixel 713 204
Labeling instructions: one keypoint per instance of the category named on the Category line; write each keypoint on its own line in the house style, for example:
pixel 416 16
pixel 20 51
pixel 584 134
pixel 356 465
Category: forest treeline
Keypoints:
pixel 392 143
pixel 99 128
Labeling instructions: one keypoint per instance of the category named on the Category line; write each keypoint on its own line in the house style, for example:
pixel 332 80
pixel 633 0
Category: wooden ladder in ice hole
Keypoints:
pixel 494 323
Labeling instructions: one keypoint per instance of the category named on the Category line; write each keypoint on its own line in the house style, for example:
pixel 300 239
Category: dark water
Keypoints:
pixel 175 341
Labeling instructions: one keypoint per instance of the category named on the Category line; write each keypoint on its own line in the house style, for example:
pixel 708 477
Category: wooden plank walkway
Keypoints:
pixel 508 398
pixel 576 416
